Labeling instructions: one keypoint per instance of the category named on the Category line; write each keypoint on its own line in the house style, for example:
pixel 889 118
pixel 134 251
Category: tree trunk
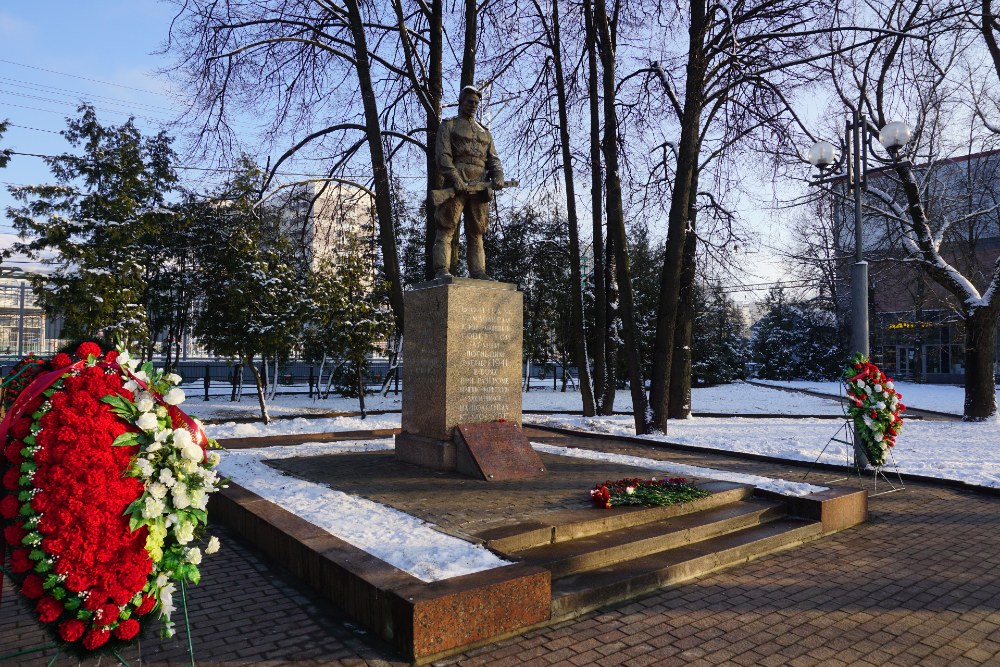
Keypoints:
pixel 248 360
pixel 680 365
pixel 380 171
pixel 616 220
pixel 578 335
pixel 678 219
pixel 434 94
pixel 359 368
pixel 980 364
pixel 604 396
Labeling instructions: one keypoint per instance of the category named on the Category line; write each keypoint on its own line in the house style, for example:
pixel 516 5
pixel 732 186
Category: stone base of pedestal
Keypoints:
pixel 461 364
pixel 426 452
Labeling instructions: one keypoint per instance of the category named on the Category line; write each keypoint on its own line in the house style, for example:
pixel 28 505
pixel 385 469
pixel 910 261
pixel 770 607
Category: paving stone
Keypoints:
pixel 916 586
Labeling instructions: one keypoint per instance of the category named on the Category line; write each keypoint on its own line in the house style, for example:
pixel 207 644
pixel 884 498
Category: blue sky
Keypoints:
pixel 53 55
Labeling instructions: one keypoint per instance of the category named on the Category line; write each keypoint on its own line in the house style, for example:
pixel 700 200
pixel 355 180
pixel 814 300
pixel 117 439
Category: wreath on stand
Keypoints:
pixel 874 407
pixel 105 484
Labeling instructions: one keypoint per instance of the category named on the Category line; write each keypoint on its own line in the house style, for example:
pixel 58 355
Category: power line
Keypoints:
pixel 83 78
pixel 77 103
pixel 39 87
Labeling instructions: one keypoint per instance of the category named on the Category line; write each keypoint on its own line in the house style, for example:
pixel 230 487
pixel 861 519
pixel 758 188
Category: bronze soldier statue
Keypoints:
pixel 471 168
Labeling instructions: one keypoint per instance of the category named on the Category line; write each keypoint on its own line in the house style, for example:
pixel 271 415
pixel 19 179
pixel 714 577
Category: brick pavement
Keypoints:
pixel 917 585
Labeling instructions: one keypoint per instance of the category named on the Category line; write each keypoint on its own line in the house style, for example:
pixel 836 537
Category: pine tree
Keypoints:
pixel 796 340
pixel 103 218
pixel 253 295
pixel 349 317
pixel 720 349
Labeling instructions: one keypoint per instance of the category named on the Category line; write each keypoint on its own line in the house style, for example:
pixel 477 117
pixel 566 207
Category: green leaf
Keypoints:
pixel 36 554
pixel 59 592
pixel 29 440
pixel 73 604
pixel 50 582
pixel 200 515
pixel 126 439
pixel 84 614
pixel 195 576
pixel 118 402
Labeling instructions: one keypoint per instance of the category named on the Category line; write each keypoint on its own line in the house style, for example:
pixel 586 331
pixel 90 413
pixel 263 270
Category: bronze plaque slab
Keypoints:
pixel 496 451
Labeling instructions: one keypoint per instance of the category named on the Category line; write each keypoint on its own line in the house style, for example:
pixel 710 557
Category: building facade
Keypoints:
pixel 917 329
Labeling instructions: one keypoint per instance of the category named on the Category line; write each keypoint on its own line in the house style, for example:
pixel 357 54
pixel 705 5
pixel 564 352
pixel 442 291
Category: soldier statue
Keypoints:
pixel 471 168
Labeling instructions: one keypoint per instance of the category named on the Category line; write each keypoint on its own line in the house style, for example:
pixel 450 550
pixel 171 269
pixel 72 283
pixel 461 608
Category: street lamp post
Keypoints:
pixel 852 166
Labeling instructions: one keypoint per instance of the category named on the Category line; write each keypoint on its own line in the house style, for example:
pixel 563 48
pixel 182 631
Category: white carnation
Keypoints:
pixel 193 452
pixel 175 396
pixel 157 490
pixel 182 438
pixel 184 533
pixel 214 458
pixel 173 378
pixel 213 545
pixel 193 556
pixel 144 401
pixel 152 508
pixel 141 375
pixel 180 497
pixel 167 477
pixel 147 421
pixel 878 387
pixel 145 467
pixel 131 385
pixel 890 385
pixel 878 437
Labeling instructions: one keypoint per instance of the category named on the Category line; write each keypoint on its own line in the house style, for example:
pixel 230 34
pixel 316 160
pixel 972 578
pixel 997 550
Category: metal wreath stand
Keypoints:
pixel 859 462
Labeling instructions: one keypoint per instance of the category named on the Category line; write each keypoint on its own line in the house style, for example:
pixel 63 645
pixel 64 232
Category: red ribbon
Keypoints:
pixel 863 374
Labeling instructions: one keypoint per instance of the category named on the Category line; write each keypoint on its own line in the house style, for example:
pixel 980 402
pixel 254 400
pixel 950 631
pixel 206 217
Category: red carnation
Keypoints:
pixel 111 356
pixel 11 479
pixel 127 630
pixel 147 605
pixel 19 561
pixel 48 609
pixel 14 533
pixel 61 360
pixel 9 507
pixel 31 587
pixel 108 614
pixel 88 349
pixel 95 638
pixel 13 453
pixel 72 630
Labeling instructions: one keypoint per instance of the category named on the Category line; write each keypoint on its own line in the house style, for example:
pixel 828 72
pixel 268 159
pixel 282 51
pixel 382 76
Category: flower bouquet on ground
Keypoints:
pixel 875 408
pixel 105 484
pixel 648 492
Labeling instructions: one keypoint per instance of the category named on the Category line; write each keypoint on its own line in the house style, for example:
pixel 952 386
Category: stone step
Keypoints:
pixel 578 593
pixel 597 551
pixel 565 525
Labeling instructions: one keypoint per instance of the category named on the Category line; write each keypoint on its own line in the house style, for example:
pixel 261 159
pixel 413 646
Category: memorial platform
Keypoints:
pixel 567 556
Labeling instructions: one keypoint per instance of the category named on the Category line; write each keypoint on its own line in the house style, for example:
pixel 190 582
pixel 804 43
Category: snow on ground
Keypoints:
pixel 301 425
pixel 938 397
pixel 963 451
pixel 953 450
pixel 404 541
pixel 782 486
pixel 736 398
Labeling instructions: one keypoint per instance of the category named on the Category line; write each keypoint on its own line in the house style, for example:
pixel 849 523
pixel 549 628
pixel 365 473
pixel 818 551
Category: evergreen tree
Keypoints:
pixel 796 340
pixel 349 317
pixel 5 153
pixel 253 296
pixel 720 349
pixel 103 219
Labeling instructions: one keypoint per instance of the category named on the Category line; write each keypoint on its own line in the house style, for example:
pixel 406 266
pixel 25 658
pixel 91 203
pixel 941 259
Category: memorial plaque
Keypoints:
pixel 496 451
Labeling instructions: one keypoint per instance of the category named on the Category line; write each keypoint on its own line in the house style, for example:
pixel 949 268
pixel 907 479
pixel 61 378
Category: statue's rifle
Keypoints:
pixel 441 196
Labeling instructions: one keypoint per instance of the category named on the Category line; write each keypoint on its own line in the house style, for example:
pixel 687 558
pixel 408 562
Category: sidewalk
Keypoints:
pixel 914 586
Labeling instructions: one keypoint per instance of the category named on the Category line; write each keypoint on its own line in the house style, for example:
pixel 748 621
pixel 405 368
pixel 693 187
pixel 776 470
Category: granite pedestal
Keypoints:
pixel 461 364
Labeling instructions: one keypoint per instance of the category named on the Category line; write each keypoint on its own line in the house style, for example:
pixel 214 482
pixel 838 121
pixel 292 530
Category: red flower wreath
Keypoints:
pixel 69 488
